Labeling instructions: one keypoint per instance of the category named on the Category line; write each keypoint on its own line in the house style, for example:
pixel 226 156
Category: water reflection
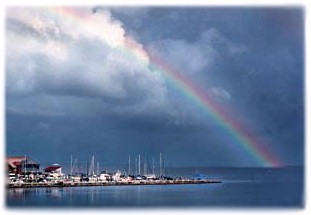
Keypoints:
pixel 54 192
pixel 28 193
pixel 16 193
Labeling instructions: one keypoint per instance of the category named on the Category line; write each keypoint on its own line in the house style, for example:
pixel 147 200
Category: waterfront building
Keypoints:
pixel 22 165
pixel 54 172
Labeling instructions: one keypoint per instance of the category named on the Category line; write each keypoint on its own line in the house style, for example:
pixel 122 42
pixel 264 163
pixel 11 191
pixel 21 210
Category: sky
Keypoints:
pixel 84 81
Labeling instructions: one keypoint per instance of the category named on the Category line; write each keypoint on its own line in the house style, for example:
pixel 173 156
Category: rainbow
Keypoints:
pixel 244 138
pixel 250 143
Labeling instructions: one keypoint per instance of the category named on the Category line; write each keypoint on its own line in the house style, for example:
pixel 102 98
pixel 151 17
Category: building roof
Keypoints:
pixel 13 161
pixel 52 168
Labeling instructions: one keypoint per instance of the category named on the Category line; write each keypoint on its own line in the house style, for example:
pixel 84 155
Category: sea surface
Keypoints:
pixel 240 187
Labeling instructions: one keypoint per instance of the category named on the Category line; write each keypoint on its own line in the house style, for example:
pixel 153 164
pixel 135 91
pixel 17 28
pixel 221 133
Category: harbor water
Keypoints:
pixel 240 187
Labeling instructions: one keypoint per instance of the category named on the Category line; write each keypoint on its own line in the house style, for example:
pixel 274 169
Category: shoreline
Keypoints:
pixel 110 183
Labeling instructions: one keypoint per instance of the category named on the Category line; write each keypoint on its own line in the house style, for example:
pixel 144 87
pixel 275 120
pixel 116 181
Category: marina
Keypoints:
pixel 24 172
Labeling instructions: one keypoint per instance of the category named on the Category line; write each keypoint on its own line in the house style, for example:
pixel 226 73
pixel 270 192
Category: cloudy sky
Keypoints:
pixel 82 81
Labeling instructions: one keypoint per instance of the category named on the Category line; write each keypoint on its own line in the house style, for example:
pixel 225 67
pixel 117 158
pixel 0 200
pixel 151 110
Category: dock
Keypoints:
pixel 110 183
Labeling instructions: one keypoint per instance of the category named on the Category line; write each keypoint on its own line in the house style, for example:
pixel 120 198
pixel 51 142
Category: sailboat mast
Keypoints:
pixel 25 164
pixel 71 164
pixel 163 165
pixel 92 166
pixel 153 166
pixel 138 164
pixel 87 165
pixel 160 164
pixel 129 169
pixel 74 165
pixel 97 172
pixel 145 166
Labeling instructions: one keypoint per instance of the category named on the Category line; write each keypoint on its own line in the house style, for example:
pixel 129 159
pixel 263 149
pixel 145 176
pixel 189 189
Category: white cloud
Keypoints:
pixel 52 53
pixel 216 40
pixel 220 93
pixel 187 58
pixel 198 57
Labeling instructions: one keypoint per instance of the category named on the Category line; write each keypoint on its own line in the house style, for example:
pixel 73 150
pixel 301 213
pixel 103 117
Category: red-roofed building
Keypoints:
pixel 54 171
pixel 52 168
pixel 21 165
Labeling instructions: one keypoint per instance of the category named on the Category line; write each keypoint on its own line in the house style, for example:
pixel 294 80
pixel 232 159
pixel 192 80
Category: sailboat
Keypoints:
pixel 150 176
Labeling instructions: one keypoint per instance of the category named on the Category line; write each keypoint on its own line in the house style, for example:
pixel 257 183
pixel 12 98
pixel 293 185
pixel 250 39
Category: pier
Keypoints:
pixel 110 183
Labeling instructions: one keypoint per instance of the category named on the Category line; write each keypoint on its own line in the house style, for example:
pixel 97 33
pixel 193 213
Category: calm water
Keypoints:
pixel 241 187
